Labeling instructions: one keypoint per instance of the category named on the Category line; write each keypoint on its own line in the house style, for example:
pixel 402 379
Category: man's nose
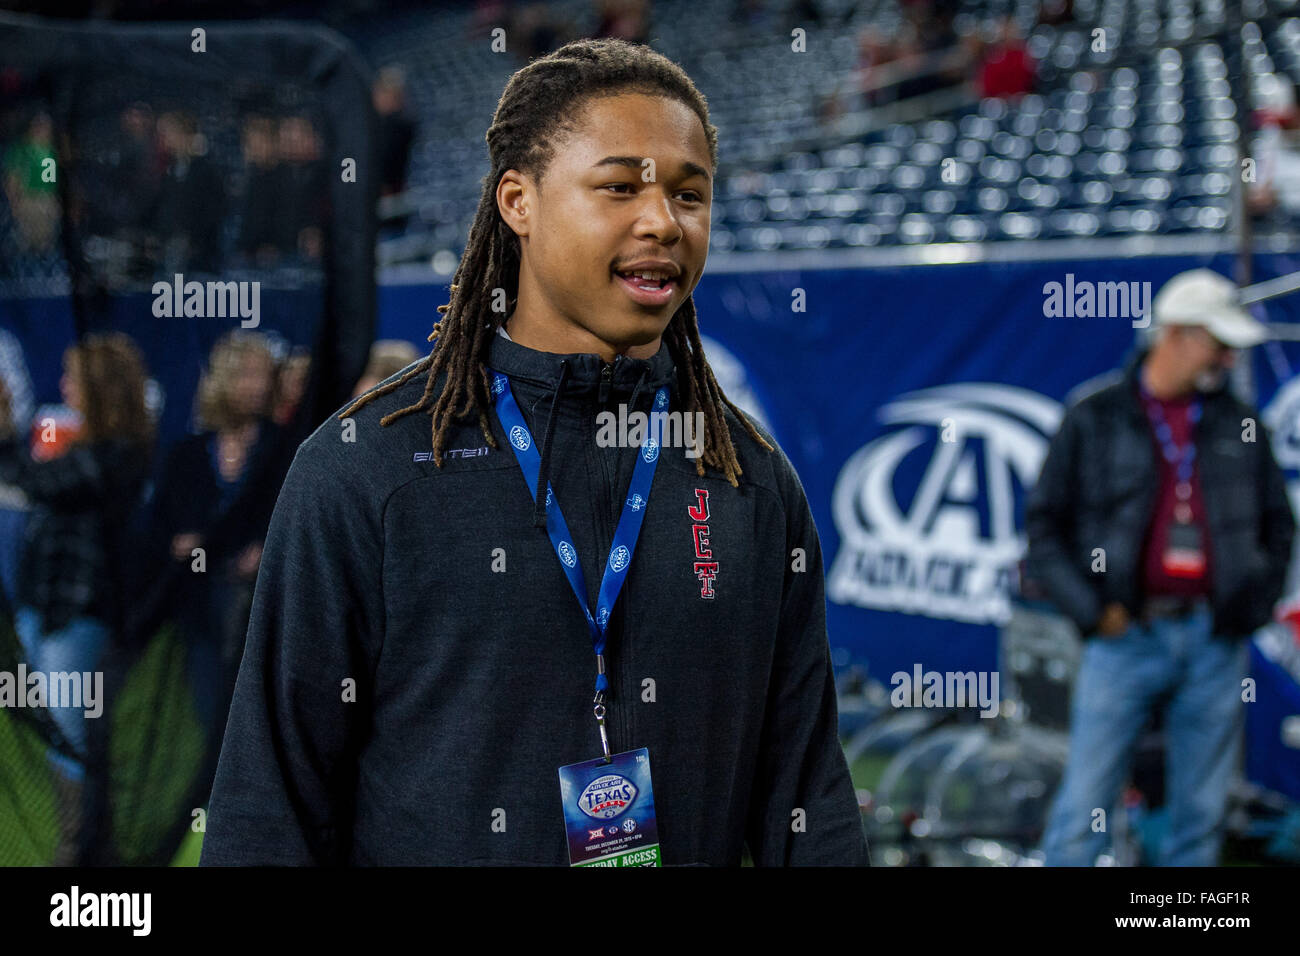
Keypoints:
pixel 659 222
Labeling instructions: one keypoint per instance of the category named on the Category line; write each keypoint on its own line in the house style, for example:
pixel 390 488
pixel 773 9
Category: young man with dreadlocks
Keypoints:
pixel 419 666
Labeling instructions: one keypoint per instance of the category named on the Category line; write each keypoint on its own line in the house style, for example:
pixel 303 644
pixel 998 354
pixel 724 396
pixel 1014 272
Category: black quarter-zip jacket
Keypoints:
pixel 417 666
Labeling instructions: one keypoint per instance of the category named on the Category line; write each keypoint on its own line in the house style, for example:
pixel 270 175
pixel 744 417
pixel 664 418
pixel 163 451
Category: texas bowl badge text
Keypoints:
pixel 607 796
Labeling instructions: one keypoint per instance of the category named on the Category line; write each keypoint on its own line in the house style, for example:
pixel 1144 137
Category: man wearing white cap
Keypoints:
pixel 1160 524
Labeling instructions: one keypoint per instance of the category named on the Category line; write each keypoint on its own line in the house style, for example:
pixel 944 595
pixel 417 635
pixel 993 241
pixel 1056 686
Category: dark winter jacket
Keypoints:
pixel 1097 490
pixel 433 590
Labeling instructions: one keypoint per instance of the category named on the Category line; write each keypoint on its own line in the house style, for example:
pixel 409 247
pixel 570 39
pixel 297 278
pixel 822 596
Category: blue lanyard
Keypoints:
pixel 1183 457
pixel 625 534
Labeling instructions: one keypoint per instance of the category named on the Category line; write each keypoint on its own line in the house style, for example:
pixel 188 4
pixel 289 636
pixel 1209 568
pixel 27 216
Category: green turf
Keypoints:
pixel 156 750
pixel 867 770
pixel 188 854
pixel 29 829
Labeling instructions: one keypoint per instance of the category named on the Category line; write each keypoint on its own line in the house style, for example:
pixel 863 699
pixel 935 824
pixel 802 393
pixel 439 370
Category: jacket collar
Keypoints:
pixel 581 373
pixel 578 377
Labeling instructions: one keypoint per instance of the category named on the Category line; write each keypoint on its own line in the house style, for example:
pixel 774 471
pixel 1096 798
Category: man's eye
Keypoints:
pixel 685 192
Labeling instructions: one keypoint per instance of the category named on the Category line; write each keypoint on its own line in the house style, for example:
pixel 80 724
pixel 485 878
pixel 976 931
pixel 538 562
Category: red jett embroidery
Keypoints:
pixel 705 570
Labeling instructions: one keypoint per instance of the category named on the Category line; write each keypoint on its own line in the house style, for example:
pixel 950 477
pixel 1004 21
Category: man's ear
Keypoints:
pixel 515 197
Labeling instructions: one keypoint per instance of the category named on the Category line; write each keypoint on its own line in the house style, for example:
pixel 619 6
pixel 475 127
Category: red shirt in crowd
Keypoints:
pixel 1007 71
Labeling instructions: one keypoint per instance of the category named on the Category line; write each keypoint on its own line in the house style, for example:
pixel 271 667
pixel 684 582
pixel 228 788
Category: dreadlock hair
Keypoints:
pixel 541 104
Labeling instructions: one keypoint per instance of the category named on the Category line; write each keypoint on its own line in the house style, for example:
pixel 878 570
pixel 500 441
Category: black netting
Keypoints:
pixel 210 212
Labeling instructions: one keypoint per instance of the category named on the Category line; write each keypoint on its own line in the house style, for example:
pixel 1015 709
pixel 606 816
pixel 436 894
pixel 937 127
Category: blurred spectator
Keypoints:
pixel 932 22
pixel 396 129
pixel 487 15
pixel 387 357
pixel 257 229
pixel 285 201
pixel 125 176
pixel 234 460
pixel 191 197
pixel 937 52
pixel 624 20
pixel 882 57
pixel 31 186
pixel 134 176
pixel 205 472
pixel 1276 149
pixel 1007 70
pixel 16 392
pixel 1197 533
pixel 922 56
pixel 290 386
pixel 302 202
pixel 537 31
pixel 137 166
pixel 70 588
pixel 14 377
pixel 874 49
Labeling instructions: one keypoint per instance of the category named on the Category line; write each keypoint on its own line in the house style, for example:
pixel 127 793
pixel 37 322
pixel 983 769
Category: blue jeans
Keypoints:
pixel 1197 678
pixel 78 646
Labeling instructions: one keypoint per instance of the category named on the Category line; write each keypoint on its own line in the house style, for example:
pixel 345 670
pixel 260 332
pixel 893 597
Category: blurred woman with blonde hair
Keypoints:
pixel 214 499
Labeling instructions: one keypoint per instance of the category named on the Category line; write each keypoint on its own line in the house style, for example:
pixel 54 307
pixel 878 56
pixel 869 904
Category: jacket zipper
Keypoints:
pixel 606 377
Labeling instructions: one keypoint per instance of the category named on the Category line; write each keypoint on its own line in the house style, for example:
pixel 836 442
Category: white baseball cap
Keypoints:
pixel 1203 297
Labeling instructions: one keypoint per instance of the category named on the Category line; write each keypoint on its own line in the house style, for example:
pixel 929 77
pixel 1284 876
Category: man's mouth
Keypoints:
pixel 647 280
pixel 648 288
